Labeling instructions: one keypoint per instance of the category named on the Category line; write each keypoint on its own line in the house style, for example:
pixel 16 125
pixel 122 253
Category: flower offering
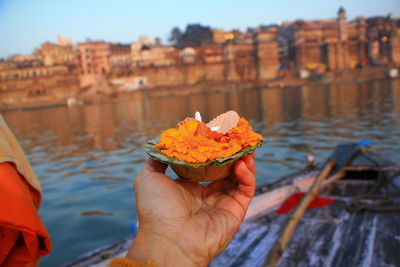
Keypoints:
pixel 205 152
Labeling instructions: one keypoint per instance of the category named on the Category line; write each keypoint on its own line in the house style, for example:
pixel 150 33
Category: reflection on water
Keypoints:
pixel 96 212
pixel 87 156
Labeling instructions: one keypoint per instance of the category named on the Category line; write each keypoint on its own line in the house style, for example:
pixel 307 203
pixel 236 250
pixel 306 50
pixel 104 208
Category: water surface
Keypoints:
pixel 87 156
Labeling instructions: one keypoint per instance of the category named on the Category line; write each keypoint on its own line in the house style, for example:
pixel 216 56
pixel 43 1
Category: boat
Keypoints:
pixel 361 227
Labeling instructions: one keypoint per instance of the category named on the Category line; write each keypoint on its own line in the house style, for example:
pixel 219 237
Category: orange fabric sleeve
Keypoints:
pixel 24 238
pixel 126 262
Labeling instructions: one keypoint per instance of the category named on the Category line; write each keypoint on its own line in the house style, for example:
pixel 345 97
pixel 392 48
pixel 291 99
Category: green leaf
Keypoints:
pixel 158 155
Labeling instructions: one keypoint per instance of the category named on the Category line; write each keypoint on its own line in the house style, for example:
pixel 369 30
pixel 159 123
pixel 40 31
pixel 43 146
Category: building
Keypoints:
pixel 120 57
pixel 220 36
pixel 143 55
pixel 338 44
pixel 243 38
pixel 240 62
pixel 383 39
pixel 63 41
pixel 345 44
pixel 210 53
pixel 267 53
pixel 27 86
pixel 6 65
pixel 145 40
pixel 93 57
pixel 26 61
pixel 54 54
pixel 31 72
pixel 188 55
pixel 46 76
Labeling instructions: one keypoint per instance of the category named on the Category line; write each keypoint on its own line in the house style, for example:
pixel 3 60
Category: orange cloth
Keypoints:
pixel 23 236
pixel 126 262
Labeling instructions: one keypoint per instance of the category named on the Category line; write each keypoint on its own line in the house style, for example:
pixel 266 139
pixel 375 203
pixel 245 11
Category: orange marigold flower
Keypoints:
pixel 192 141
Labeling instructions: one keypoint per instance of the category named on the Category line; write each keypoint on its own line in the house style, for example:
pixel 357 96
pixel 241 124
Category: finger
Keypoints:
pixel 230 183
pixel 246 179
pixel 228 186
pixel 152 166
pixel 156 166
pixel 241 189
pixel 249 160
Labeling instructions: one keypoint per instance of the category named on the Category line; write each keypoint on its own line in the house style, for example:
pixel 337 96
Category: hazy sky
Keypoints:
pixel 25 24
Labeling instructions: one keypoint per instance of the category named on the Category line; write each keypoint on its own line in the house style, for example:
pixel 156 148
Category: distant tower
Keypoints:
pixel 342 24
pixel 157 41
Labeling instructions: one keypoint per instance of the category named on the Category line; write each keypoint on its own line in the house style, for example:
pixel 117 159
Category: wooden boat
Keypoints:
pixel 356 229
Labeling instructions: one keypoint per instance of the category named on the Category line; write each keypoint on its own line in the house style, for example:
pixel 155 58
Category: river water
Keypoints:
pixel 87 156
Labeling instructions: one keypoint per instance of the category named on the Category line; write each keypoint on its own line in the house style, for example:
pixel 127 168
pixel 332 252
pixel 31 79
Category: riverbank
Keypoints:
pixel 114 94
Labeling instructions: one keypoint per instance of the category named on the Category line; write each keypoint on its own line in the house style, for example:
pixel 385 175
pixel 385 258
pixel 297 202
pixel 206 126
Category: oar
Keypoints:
pixel 283 241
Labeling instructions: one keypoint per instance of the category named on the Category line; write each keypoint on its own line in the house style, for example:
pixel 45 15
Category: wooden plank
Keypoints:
pixel 248 236
pixel 254 237
pixel 318 238
pixel 256 256
pixel 352 251
pixel 384 246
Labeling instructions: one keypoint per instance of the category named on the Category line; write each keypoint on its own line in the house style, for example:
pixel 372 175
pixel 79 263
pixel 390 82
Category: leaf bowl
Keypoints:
pixel 213 170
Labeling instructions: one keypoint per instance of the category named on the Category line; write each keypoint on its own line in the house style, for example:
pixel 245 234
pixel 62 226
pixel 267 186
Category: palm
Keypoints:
pixel 195 217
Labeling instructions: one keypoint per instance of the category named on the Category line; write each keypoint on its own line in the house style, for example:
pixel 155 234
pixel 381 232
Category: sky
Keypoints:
pixel 25 24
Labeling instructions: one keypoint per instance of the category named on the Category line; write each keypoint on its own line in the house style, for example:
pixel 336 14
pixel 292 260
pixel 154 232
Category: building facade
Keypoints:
pixel 94 57
pixel 143 55
pixel 54 54
pixel 338 44
pixel 267 53
pixel 120 58
pixel 29 85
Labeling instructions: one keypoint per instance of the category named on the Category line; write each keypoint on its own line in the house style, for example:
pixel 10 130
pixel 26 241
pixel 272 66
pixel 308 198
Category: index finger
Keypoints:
pixel 152 166
pixel 249 160
pixel 244 172
pixel 156 166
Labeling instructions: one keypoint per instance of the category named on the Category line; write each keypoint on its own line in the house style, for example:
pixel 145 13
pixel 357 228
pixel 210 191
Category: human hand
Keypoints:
pixel 183 223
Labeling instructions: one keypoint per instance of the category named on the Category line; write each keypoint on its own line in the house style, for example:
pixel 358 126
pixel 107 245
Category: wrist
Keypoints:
pixel 162 250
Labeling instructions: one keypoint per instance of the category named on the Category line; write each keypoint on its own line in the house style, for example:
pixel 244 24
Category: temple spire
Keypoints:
pixel 342 24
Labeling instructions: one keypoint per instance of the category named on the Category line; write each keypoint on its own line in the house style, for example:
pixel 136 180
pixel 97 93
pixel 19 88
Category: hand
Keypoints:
pixel 183 223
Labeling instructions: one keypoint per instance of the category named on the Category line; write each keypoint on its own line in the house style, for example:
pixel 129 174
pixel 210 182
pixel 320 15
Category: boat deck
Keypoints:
pixel 329 236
